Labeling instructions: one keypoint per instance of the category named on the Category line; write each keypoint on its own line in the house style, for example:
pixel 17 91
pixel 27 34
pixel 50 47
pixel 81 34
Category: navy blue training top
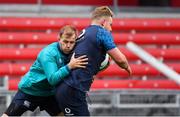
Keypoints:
pixel 94 41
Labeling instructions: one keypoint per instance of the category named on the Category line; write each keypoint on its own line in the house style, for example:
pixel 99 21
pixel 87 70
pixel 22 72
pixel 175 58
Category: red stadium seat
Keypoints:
pixel 128 3
pixel 152 33
pixel 40 23
pixel 148 38
pixel 120 84
pixel 167 54
pixel 146 24
pixel 18 1
pixel 119 38
pixel 139 70
pixel 13 83
pixel 19 54
pixel 175 3
pixel 13 69
pixel 92 2
pixel 134 84
pixel 112 70
pixel 27 38
pixel 59 2
pixel 118 24
pixel 79 2
pixel 31 53
pixel 74 2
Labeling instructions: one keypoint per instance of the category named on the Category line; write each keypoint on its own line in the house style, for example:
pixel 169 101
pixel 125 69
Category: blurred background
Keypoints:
pixel 26 26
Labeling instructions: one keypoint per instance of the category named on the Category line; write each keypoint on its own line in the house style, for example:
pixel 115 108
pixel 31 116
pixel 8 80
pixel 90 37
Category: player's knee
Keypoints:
pixel 4 115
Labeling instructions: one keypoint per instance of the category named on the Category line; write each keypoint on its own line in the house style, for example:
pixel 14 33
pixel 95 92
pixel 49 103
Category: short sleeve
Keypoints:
pixel 105 39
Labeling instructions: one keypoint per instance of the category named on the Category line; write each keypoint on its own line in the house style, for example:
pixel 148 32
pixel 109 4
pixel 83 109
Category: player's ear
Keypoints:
pixel 102 25
pixel 102 22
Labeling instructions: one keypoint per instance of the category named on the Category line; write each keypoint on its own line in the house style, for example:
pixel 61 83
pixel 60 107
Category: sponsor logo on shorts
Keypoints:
pixel 68 111
pixel 27 103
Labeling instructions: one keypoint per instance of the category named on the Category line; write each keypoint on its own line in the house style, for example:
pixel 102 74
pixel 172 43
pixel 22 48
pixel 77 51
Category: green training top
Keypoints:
pixel 48 70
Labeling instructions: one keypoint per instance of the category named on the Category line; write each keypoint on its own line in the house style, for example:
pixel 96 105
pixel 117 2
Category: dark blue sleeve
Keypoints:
pixel 105 39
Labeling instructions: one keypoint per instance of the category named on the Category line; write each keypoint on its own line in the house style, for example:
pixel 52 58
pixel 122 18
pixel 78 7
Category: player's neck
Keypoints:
pixel 96 23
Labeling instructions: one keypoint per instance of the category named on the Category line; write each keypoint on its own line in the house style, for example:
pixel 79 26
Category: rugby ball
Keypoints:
pixel 105 63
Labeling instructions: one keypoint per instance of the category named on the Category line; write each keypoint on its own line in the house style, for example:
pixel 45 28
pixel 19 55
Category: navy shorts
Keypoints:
pixel 71 101
pixel 23 102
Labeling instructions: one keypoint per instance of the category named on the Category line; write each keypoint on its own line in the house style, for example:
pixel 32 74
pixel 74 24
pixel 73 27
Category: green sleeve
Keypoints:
pixel 54 75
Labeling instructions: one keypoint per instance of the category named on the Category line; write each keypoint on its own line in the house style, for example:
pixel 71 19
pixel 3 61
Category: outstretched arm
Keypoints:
pixel 120 59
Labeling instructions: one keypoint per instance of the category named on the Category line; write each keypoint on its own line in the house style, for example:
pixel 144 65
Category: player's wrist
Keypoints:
pixel 69 66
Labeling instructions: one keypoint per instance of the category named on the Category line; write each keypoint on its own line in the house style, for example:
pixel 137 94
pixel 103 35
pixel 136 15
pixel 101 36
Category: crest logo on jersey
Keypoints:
pixel 60 61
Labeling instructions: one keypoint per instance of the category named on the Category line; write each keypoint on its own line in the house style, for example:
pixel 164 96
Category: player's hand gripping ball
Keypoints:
pixel 105 63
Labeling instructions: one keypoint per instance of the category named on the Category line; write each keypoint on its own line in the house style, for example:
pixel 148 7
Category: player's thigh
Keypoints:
pixel 76 109
pixel 15 109
pixel 50 105
pixel 18 105
pixel 71 101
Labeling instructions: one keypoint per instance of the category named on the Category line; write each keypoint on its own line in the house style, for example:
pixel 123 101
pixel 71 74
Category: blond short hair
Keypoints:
pixel 68 31
pixel 101 12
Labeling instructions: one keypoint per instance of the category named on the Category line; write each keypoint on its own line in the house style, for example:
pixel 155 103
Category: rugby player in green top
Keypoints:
pixel 37 87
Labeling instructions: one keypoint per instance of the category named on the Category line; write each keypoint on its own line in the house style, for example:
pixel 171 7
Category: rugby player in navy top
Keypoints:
pixel 95 41
pixel 37 87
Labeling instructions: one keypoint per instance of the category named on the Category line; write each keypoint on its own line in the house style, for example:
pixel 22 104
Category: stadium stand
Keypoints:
pixel 31 53
pixel 76 2
pixel 49 37
pixel 113 90
pixel 124 84
pixel 112 70
pixel 29 32
pixel 125 24
pixel 173 3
